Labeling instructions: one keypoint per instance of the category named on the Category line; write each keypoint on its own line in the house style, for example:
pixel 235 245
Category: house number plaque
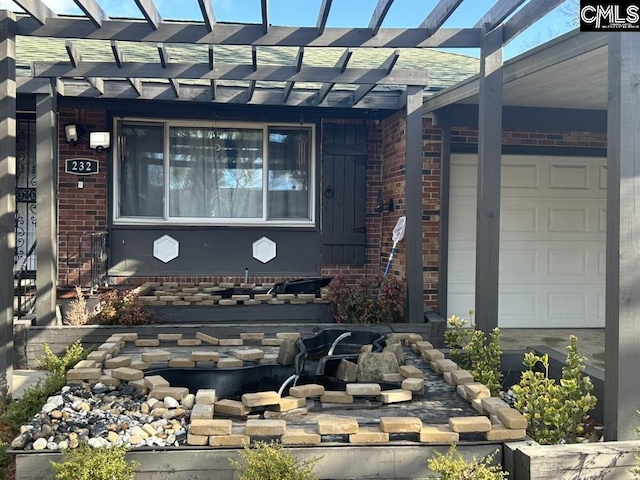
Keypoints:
pixel 81 166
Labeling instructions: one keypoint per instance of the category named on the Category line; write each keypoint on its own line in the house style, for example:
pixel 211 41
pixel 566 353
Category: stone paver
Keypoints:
pixel 200 426
pixel 438 434
pixel 335 425
pixel 231 407
pixel 336 397
pixel 395 396
pixel 260 399
pixel 363 389
pixel 511 418
pixel 265 428
pixel 400 424
pixel 301 436
pixel 306 391
pixel 469 424
pixel 369 435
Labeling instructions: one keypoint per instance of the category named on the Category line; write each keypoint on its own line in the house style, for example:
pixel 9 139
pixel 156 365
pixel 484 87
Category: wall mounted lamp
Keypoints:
pixel 72 133
pixel 99 141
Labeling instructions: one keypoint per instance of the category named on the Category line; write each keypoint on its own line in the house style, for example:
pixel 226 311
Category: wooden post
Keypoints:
pixel 413 175
pixel 445 190
pixel 622 313
pixel 7 195
pixel 489 170
pixel 46 233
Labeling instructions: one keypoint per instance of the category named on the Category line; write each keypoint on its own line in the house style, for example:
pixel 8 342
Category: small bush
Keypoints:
pixel 470 349
pixel 453 466
pixel 61 365
pixel 372 300
pixel 21 411
pixel 122 308
pixel 555 410
pixel 78 313
pixel 271 462
pixel 86 463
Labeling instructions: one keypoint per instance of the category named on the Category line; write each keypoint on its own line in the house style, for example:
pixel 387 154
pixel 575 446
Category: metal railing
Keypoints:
pixel 23 293
pixel 83 259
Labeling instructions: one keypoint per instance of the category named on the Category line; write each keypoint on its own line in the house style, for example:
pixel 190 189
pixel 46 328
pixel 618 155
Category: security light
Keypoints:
pixel 71 133
pixel 99 141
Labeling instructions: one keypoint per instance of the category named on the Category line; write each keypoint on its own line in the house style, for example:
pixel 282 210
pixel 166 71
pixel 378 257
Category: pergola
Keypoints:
pixel 276 85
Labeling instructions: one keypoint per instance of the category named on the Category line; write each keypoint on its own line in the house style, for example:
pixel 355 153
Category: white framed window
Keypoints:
pixel 179 172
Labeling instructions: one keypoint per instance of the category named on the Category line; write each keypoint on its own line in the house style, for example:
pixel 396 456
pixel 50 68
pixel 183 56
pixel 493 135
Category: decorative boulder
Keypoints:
pixel 287 353
pixel 397 350
pixel 372 365
pixel 347 371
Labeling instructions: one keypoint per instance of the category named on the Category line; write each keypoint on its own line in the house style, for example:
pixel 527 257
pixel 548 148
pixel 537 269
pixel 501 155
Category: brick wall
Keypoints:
pixel 535 138
pixel 393 180
pixel 81 212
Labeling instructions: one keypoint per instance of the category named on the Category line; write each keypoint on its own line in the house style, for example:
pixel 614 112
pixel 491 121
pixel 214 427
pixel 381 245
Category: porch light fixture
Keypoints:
pixel 72 133
pixel 99 141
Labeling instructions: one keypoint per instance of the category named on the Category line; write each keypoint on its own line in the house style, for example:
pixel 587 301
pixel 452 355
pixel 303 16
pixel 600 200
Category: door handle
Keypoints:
pixel 328 192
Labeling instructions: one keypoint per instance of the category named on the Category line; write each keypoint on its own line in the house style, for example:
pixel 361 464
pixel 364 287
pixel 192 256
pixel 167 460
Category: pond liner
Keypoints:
pixel 232 383
pixel 312 357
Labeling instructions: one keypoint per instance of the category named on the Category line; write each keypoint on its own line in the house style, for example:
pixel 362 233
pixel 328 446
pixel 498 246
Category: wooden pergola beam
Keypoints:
pixel 264 7
pixel 413 195
pixel 622 300
pixel 440 13
pixel 363 90
pixel 323 15
pixel 37 10
pixel 117 54
pixel 341 66
pixel 136 84
pixel 46 231
pixel 97 83
pixel 254 58
pixel 150 13
pixel 93 11
pixel 498 13
pixel 381 10
pixel 122 89
pixel 8 196
pixel 72 52
pixel 234 34
pixel 288 87
pixel 225 71
pixel 207 14
pixel 212 57
pixel 489 170
pixel 251 90
pixel 527 16
pixel 164 56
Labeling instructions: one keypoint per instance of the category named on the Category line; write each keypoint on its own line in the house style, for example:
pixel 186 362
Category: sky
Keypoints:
pixel 343 13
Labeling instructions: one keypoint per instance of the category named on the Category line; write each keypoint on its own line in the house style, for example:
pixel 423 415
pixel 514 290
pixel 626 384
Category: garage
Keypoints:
pixel 552 240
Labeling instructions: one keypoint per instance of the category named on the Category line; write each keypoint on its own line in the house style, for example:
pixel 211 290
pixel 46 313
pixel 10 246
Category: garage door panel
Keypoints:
pixel 518 219
pixel 552 241
pixel 519 306
pixel 520 176
pixel 569 176
pixel 518 263
pixel 563 262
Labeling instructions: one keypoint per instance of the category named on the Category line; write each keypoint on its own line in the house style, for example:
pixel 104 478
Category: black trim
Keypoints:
pixel 530 118
pixel 546 150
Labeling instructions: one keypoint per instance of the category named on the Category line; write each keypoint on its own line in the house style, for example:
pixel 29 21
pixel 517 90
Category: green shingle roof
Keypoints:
pixel 444 68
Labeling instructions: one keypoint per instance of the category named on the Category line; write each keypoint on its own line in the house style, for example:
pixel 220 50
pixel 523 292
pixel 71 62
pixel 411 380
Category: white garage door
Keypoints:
pixel 552 241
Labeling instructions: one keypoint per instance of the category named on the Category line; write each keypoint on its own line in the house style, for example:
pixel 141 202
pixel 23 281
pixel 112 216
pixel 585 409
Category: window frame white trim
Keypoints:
pixel 217 222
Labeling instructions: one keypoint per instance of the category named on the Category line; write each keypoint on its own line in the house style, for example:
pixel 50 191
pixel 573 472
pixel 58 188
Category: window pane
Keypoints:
pixel 215 173
pixel 141 171
pixel 289 160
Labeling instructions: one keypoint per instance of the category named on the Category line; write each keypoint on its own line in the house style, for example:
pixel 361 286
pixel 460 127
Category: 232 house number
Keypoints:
pixel 81 166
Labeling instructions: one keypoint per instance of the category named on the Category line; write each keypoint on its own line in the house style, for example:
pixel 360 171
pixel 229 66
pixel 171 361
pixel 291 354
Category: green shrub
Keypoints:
pixel 372 300
pixel 271 462
pixel 453 466
pixel 86 463
pixel 61 365
pixel 117 307
pixel 556 411
pixel 470 349
pixel 21 411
